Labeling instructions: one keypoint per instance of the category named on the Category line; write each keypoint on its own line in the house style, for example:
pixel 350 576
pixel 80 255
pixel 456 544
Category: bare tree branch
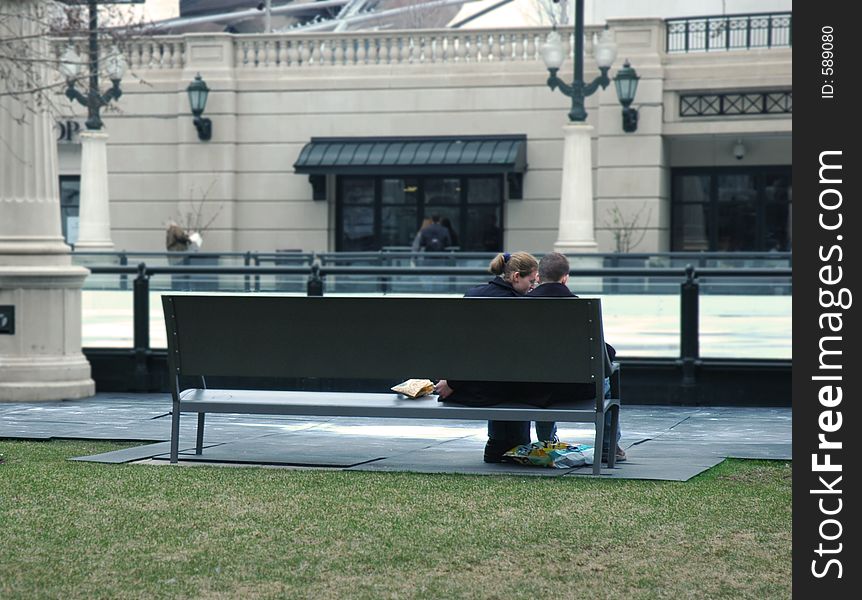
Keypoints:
pixel 628 231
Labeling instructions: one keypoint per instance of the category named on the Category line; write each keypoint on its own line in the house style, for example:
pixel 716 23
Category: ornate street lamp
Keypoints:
pixel 70 68
pixel 604 52
pixel 94 229
pixel 576 228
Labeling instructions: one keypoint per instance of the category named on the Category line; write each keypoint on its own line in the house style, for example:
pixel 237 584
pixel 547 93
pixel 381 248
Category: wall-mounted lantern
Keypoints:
pixel 627 85
pixel 198 93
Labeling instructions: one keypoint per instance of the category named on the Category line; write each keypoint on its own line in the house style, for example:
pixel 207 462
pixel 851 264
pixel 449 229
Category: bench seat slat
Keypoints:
pixel 346 404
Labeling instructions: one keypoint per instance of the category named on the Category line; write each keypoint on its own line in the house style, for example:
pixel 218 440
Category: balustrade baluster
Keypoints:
pixel 403 49
pixel 531 46
pixel 239 47
pixel 325 53
pixel 361 53
pixel 146 55
pixel 315 52
pixel 350 52
pixel 473 48
pixel 520 46
pixel 269 45
pixel 172 55
pixel 461 48
pixel 292 53
pixel 481 47
pixel 338 52
pixel 373 51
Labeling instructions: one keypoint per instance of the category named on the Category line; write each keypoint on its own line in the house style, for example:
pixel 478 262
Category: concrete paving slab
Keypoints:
pixel 453 458
pixel 671 443
pixel 310 448
pixel 131 454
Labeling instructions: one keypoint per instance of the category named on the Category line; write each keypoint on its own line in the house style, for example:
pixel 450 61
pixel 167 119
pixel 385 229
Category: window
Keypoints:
pixel 379 212
pixel 70 203
pixel 729 209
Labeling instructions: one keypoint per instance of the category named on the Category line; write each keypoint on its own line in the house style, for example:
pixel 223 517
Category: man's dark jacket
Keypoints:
pixel 559 290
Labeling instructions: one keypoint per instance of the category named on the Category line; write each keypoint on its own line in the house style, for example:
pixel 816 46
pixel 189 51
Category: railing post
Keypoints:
pixel 247 262
pixel 686 34
pixel 124 279
pixel 689 330
pixel 769 31
pixel 256 275
pixel 748 33
pixel 706 34
pixel 383 260
pixel 141 303
pixel 315 282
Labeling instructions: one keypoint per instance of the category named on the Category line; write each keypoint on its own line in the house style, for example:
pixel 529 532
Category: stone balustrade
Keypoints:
pixel 438 46
pixel 291 50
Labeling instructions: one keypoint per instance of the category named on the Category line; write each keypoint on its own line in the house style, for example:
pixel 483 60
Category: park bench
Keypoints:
pixel 252 336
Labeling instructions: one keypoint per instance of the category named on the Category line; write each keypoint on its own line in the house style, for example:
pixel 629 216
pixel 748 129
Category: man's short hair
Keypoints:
pixel 435 218
pixel 553 267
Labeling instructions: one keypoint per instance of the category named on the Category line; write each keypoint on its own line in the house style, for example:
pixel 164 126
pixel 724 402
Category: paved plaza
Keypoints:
pixel 662 442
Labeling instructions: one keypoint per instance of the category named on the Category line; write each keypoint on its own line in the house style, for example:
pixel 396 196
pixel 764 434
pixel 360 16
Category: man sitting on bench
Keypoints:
pixel 554 277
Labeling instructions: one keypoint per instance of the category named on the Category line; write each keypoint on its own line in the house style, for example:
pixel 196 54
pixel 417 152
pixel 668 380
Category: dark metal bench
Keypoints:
pixel 487 339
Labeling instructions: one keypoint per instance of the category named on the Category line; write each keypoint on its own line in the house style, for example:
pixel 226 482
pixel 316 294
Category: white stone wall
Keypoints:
pixel 263 115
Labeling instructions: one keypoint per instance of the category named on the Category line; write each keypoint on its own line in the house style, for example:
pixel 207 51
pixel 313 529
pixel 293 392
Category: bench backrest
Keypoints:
pixel 496 339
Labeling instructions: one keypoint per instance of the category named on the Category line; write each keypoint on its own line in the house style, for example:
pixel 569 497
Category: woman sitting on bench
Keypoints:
pixel 515 274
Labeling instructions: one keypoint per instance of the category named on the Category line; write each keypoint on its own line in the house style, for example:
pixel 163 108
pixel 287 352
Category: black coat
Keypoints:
pixel 496 288
pixel 485 393
pixel 559 290
pixel 548 394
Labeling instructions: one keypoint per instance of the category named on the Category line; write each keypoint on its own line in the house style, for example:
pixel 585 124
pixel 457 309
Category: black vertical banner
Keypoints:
pixel 827 363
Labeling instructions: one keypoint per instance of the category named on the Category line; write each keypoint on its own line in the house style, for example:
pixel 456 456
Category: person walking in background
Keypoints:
pixel 418 237
pixel 554 277
pixel 514 275
pixel 177 240
pixel 434 237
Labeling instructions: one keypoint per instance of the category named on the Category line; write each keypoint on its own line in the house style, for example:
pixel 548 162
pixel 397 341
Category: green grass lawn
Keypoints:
pixel 83 530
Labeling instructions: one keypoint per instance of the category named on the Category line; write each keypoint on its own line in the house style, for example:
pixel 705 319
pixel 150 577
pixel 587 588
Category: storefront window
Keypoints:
pixel 731 210
pixel 357 215
pixel 70 202
pixel 385 212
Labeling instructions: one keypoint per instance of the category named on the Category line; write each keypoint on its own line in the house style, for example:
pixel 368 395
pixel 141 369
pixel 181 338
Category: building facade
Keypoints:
pixel 416 122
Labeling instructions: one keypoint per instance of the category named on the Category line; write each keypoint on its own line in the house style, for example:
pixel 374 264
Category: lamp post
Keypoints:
pixel 576 230
pixel 94 231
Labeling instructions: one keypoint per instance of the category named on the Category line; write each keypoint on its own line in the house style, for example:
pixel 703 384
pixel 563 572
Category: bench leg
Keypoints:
pixel 615 426
pixel 175 432
pixel 199 445
pixel 597 451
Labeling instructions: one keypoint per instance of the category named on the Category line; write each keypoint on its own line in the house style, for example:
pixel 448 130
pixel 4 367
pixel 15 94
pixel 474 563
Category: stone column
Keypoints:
pixel 42 358
pixel 576 230
pixel 94 228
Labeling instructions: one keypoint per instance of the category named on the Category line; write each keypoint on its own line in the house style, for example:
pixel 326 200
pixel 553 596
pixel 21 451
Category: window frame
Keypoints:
pixel 421 208
pixel 759 175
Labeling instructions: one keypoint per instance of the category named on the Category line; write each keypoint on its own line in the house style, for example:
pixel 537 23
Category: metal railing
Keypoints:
pixel 720 33
pixel 688 279
pixel 736 103
pixel 215 271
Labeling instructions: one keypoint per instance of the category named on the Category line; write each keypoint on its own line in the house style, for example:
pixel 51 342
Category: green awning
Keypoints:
pixel 414 155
